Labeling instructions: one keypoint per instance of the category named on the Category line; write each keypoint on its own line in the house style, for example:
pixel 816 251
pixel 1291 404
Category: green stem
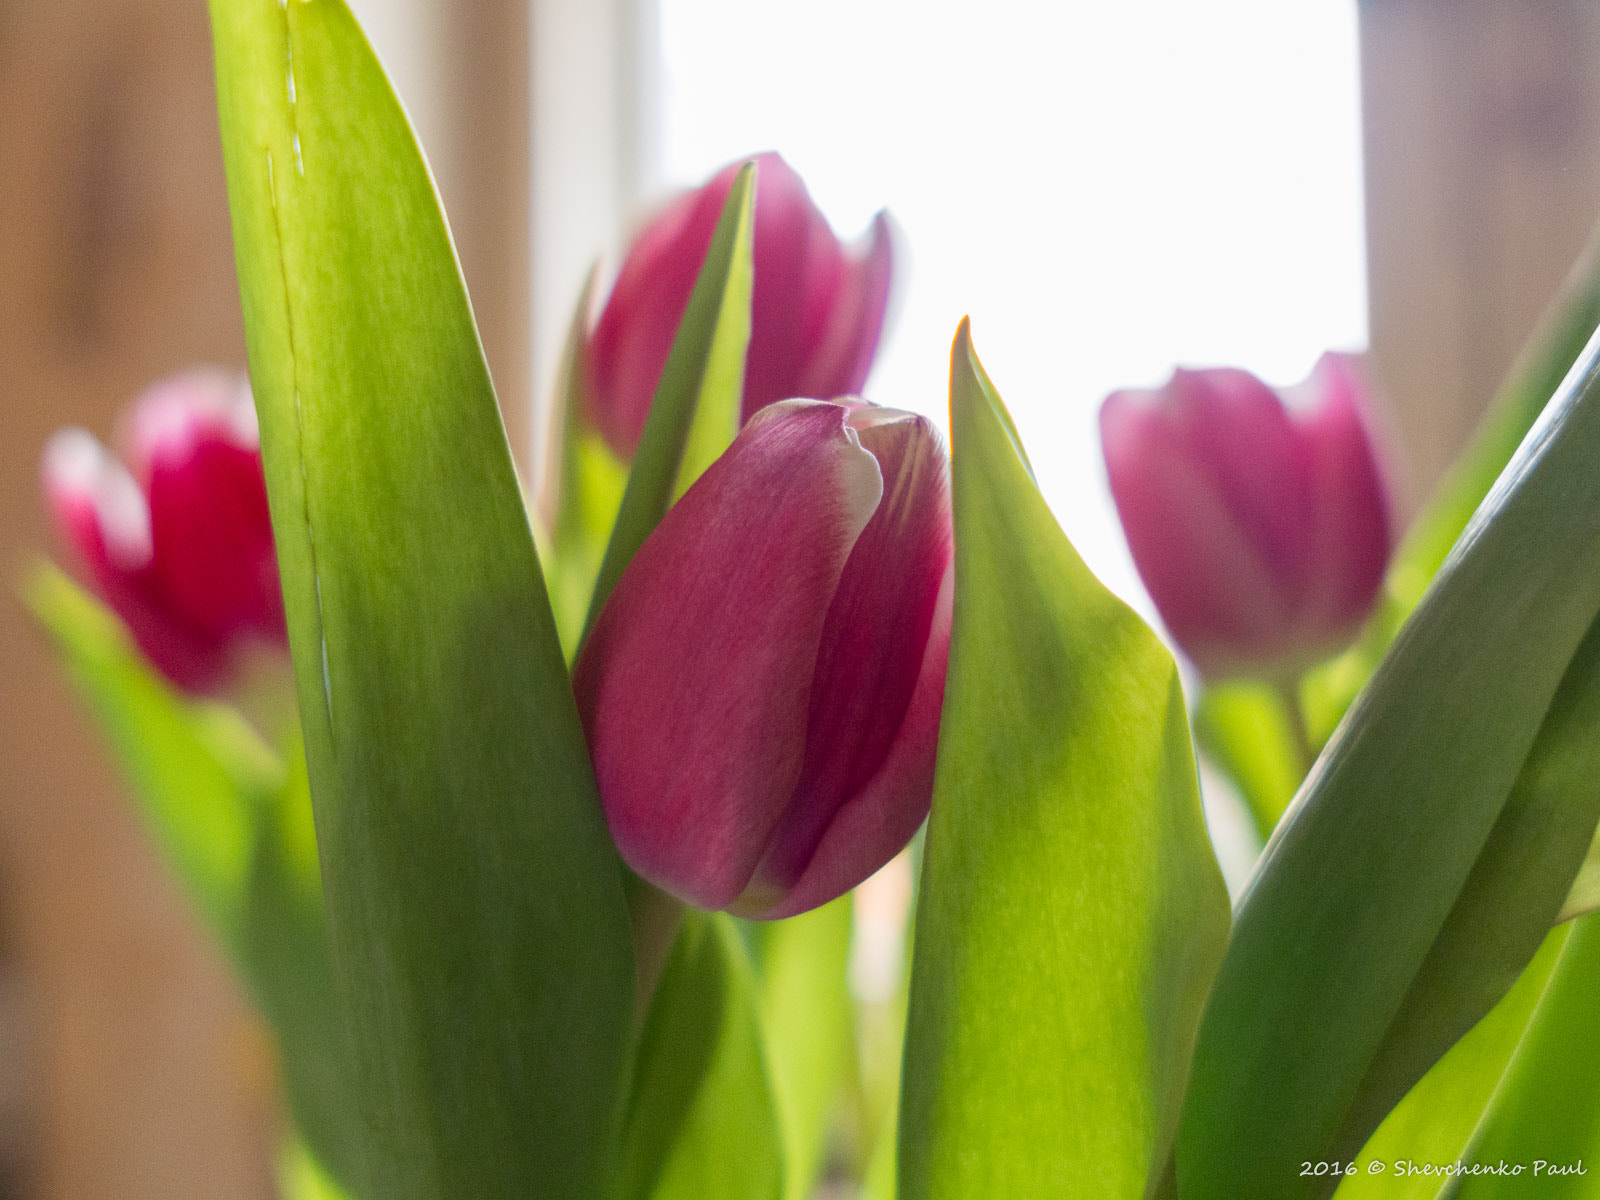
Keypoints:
pixel 1295 717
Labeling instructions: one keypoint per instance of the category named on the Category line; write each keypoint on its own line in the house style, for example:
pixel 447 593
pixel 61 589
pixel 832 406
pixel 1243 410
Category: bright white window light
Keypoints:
pixel 1108 189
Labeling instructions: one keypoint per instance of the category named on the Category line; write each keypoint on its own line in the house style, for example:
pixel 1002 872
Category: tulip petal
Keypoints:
pixel 633 336
pixel 1240 431
pixel 800 275
pixel 883 816
pixel 1215 591
pixel 696 752
pixel 1351 533
pixel 194 443
pixel 102 516
pixel 841 361
pixel 879 645
pixel 1260 528
pixel 816 312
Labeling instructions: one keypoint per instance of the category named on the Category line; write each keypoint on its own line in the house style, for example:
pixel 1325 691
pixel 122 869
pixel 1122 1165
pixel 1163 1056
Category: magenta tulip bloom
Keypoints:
pixel 816 308
pixel 762 690
pixel 178 541
pixel 1260 529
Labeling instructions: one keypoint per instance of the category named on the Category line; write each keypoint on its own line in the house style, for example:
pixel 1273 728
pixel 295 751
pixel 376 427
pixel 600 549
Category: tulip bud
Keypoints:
pixel 815 312
pixel 1261 530
pixel 761 692
pixel 178 540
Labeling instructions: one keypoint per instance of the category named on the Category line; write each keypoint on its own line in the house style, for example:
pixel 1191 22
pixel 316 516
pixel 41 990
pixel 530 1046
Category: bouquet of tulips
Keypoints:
pixel 571 857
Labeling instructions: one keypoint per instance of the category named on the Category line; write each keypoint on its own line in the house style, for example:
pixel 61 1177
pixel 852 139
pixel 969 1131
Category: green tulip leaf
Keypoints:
pixel 1509 900
pixel 703 1119
pixel 1437 1120
pixel 1071 912
pixel 694 413
pixel 589 480
pixel 1544 1114
pixel 1429 850
pixel 474 906
pixel 802 971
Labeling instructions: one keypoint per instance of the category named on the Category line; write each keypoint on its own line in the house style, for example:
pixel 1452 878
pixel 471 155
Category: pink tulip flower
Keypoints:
pixel 177 541
pixel 816 308
pixel 761 692
pixel 1260 528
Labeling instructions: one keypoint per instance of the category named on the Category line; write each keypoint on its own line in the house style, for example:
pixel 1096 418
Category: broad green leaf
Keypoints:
pixel 1414 875
pixel 589 480
pixel 1436 1121
pixel 703 1120
pixel 474 906
pixel 694 413
pixel 1545 1111
pixel 1071 912
pixel 1245 730
pixel 201 776
pixel 1508 901
pixel 808 1018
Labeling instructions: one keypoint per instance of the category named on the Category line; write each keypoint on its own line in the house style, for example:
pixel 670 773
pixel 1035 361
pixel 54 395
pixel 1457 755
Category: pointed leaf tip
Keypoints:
pixel 1065 840
pixel 695 411
pixel 970 387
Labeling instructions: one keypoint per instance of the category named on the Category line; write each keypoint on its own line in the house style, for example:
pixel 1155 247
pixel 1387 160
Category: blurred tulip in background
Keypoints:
pixel 175 536
pixel 1259 521
pixel 762 690
pixel 816 311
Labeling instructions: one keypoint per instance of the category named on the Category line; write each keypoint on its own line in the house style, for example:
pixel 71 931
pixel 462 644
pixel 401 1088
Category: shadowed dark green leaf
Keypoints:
pixel 703 1121
pixel 1436 1121
pixel 1508 902
pixel 1378 928
pixel 474 904
pixel 1071 912
pixel 694 413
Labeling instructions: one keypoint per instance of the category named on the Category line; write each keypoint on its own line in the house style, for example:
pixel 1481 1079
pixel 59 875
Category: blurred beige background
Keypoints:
pixel 129 1067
